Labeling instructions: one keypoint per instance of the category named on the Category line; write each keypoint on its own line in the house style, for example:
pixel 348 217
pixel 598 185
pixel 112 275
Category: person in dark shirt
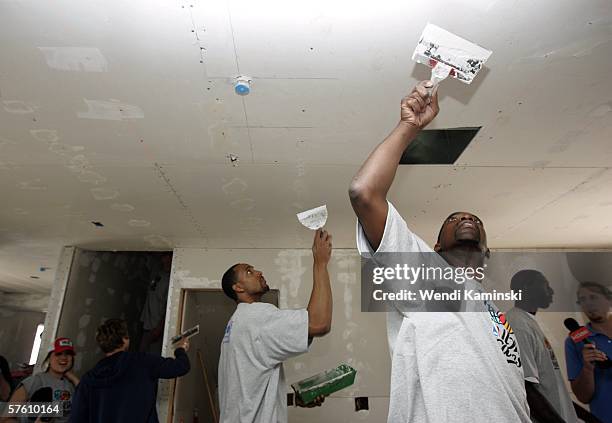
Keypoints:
pixel 122 387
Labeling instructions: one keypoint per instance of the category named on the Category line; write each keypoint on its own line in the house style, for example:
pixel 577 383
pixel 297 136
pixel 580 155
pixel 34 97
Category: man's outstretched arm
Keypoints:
pixel 368 190
pixel 320 304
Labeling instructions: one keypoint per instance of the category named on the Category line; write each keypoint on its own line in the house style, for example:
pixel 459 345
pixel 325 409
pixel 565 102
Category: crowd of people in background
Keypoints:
pixel 122 387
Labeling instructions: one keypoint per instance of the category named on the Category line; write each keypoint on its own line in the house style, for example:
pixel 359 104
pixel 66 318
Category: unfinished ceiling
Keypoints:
pixel 124 113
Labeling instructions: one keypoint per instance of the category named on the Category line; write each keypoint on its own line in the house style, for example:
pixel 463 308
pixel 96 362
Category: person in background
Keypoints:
pixel 122 387
pixel 592 383
pixel 153 314
pixel 7 385
pixel 57 375
pixel 259 338
pixel 547 395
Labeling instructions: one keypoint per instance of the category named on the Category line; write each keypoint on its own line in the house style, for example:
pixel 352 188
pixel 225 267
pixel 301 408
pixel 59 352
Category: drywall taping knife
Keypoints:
pixel 186 335
pixel 449 55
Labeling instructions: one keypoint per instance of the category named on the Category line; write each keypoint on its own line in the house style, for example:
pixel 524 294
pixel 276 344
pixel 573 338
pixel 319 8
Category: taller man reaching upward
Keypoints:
pixel 446 366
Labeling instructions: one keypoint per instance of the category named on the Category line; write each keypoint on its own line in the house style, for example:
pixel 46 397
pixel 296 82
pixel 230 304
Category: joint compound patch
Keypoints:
pixel 110 110
pixel 35 185
pixel 17 107
pixel 59 148
pixel 234 187
pixel 90 177
pixel 139 223
pixel 45 135
pixel 243 204
pixel 158 241
pixel 76 59
pixel 123 207
pixel 104 193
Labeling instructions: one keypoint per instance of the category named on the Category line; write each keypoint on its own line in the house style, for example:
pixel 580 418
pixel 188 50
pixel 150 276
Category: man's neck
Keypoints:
pixel 249 300
pixel 526 307
pixel 604 326
pixel 118 350
pixel 464 256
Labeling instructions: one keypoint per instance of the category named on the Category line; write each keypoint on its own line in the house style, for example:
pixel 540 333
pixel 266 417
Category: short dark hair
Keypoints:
pixel 110 334
pixel 597 287
pixel 524 278
pixel 228 280
pixel 448 217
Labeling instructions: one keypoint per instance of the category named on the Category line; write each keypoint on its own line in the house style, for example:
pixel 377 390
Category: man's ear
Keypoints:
pixel 488 253
pixel 237 287
pixel 437 247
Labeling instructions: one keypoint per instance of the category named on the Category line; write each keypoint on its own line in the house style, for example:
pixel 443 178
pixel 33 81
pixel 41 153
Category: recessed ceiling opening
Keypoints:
pixel 438 146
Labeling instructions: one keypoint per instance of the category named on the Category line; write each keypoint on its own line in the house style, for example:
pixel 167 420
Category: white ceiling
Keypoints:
pixel 124 113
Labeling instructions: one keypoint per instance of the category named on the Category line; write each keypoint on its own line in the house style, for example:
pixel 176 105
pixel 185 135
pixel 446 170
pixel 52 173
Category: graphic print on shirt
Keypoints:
pixel 64 397
pixel 228 331
pixel 553 357
pixel 505 335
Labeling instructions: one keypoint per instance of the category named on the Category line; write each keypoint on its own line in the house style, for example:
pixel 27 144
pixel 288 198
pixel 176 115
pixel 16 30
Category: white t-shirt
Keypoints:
pixel 258 338
pixel 540 364
pixel 449 367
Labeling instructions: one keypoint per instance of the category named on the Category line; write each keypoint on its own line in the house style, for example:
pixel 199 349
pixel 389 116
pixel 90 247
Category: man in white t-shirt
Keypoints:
pixel 446 366
pixel 547 394
pixel 259 337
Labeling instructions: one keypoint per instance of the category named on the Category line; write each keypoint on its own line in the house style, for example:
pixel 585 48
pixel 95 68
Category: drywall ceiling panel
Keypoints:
pixel 579 217
pixel 425 195
pixel 247 203
pixel 301 146
pixel 130 203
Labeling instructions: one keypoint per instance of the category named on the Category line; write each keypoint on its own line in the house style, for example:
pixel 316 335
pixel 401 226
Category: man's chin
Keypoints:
pixel 266 288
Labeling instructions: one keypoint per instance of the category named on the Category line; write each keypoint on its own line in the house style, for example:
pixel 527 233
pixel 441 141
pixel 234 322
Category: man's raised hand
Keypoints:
pixel 418 108
pixel 322 247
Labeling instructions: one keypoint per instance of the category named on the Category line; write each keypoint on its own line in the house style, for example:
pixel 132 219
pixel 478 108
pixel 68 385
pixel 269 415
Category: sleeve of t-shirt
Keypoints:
pixel 573 359
pixel 397 236
pixel 527 346
pixel 30 384
pixel 284 335
pixel 169 368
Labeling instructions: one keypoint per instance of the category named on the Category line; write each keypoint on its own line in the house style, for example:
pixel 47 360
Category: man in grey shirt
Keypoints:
pixel 548 398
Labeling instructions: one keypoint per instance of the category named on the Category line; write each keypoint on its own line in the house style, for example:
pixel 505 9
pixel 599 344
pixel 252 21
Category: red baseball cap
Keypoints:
pixel 62 344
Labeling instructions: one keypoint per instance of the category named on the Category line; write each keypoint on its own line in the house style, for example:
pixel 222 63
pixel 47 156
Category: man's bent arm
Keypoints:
pixel 369 188
pixel 584 385
pixel 541 409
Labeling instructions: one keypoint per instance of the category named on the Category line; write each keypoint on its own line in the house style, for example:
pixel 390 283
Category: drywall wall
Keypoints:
pixel 17 331
pixel 358 339
pixel 102 285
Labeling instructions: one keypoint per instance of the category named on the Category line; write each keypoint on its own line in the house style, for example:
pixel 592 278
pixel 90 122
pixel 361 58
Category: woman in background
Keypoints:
pixel 57 380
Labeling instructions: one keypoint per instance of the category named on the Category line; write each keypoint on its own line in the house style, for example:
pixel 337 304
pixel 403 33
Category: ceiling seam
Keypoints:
pixel 164 177
pixel 244 108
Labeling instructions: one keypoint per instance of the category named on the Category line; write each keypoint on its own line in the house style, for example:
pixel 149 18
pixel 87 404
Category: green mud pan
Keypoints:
pixel 325 383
